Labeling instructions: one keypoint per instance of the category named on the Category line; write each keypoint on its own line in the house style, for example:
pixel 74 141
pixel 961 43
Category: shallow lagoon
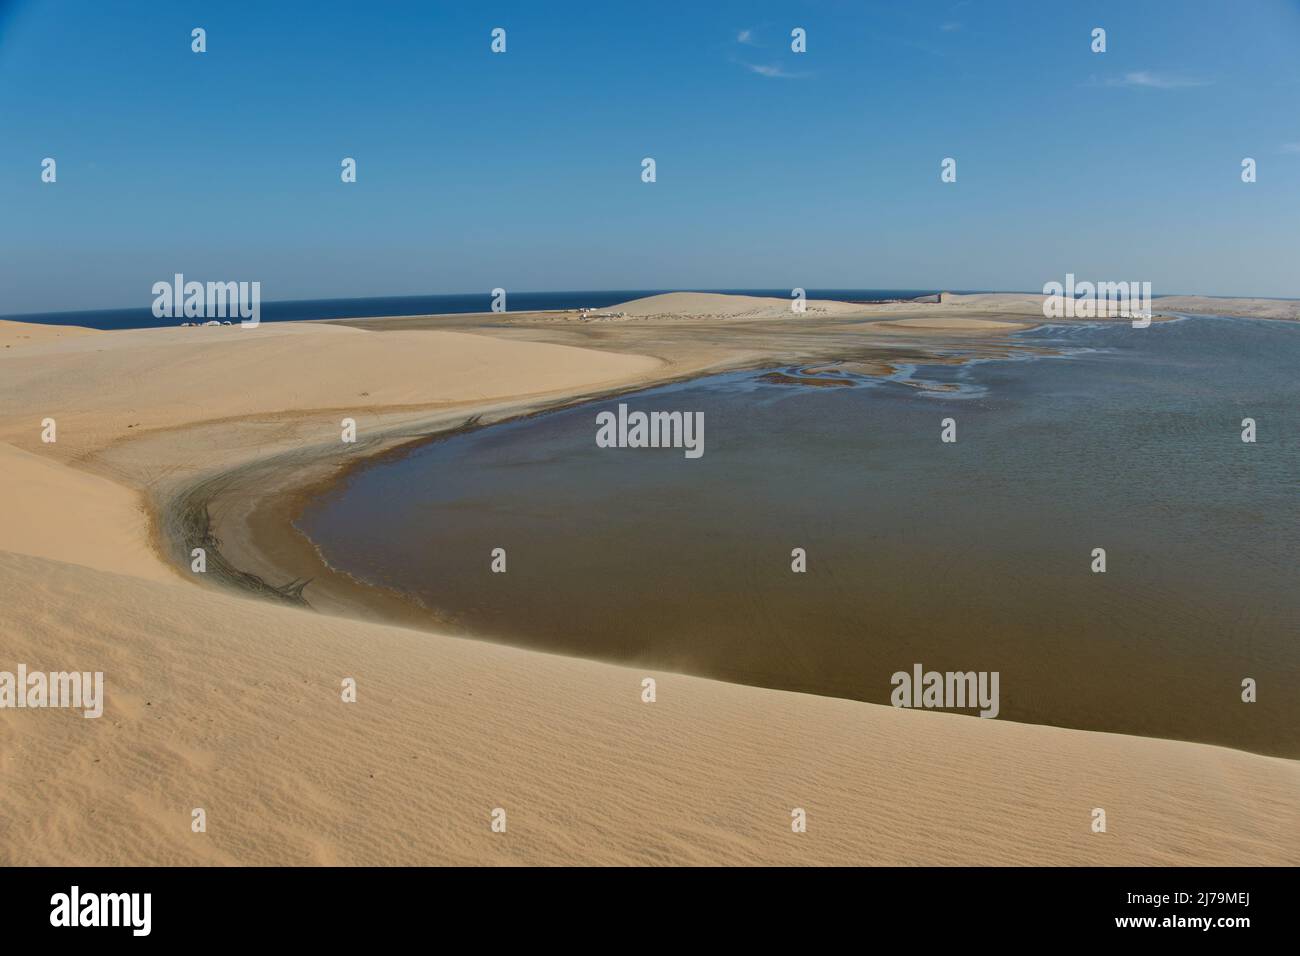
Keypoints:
pixel 974 555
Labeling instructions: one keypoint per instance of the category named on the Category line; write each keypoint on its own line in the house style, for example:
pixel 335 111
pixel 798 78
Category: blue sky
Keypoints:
pixel 522 170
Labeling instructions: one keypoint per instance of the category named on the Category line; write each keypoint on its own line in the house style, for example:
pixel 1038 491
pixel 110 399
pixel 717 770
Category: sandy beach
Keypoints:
pixel 223 688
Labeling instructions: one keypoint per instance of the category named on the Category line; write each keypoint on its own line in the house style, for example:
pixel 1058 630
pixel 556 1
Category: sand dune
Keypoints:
pixel 232 704
pixel 677 305
pixel 114 386
pixel 17 334
pixel 715 305
pixel 1031 304
pixel 53 511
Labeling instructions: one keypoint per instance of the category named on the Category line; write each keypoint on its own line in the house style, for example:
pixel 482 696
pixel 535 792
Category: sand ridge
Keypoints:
pixel 52 511
pixel 18 334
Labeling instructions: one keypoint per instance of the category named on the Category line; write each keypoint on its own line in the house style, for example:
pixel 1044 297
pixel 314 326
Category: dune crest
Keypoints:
pixel 17 334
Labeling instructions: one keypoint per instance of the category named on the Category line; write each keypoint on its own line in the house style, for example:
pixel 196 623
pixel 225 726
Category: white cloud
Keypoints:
pixel 774 70
pixel 746 37
pixel 1291 147
pixel 1156 81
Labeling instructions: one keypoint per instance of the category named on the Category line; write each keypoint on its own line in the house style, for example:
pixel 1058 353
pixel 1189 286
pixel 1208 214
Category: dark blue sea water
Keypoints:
pixel 300 309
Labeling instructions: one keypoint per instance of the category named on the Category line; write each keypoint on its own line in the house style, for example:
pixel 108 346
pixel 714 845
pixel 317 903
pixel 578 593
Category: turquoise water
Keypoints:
pixel 974 555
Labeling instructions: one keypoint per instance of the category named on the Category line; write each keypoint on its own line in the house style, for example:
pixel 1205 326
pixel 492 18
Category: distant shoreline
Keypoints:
pixel 334 309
